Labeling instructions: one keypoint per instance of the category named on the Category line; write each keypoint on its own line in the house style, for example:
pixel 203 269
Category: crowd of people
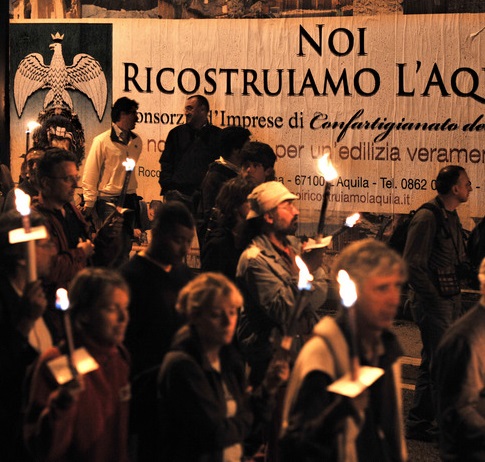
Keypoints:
pixel 152 360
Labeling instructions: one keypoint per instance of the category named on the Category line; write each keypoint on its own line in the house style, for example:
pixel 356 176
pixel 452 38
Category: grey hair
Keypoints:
pixel 368 257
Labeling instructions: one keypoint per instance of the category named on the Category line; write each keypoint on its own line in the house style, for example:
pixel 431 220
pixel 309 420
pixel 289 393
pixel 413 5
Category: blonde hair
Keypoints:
pixel 201 293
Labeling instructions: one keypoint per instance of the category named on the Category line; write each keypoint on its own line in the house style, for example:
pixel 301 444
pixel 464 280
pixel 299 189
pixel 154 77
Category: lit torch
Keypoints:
pixel 349 223
pixel 329 174
pixel 304 286
pixel 129 165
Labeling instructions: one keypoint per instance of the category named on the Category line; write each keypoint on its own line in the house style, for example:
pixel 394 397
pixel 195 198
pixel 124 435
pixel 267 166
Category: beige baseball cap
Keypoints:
pixel 266 197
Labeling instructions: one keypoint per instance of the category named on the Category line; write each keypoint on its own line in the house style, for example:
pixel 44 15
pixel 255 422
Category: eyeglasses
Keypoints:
pixel 67 178
pixel 288 206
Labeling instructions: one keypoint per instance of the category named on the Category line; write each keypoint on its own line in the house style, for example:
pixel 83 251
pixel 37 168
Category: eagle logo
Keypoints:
pixel 85 74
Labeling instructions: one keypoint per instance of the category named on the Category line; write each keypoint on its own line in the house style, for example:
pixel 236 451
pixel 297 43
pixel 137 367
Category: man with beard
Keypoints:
pixel 267 275
pixel 155 277
pixel 189 149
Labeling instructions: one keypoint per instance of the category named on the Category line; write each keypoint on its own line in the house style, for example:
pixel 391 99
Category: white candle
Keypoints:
pixel 129 165
pixel 305 279
pixel 348 295
pixel 22 202
pixel 62 303
pixel 32 125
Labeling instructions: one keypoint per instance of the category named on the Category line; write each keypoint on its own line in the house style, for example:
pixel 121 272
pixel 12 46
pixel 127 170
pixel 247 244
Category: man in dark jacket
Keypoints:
pixel 434 250
pixel 267 274
pixel 155 277
pixel 189 149
pixel 460 380
pixel 57 177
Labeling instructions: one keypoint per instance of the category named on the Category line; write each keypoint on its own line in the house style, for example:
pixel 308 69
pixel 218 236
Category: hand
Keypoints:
pixel 69 393
pixel 112 227
pixel 278 373
pixel 314 259
pixel 359 405
pixel 33 306
pixel 87 247
pixel 137 233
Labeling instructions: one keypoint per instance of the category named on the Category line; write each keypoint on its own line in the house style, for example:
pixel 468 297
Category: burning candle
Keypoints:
pixel 129 165
pixel 329 173
pixel 62 303
pixel 32 125
pixel 348 295
pixel 305 279
pixel 22 202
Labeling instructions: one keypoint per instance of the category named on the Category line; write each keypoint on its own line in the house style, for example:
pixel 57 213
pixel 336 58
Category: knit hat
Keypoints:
pixel 266 197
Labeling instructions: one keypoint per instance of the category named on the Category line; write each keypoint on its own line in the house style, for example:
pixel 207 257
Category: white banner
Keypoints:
pixel 393 98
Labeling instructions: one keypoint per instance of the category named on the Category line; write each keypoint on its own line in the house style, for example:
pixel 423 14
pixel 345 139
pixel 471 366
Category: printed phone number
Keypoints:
pixel 350 183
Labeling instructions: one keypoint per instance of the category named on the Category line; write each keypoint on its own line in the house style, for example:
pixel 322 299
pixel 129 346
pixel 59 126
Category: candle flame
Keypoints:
pixel 62 300
pixel 326 167
pixel 305 277
pixel 22 202
pixel 352 220
pixel 32 125
pixel 129 164
pixel 348 292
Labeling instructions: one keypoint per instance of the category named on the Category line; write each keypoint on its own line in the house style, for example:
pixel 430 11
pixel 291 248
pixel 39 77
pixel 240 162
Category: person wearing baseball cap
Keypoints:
pixel 267 275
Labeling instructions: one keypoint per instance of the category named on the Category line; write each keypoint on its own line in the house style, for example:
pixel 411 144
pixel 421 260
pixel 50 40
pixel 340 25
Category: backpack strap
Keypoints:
pixel 439 215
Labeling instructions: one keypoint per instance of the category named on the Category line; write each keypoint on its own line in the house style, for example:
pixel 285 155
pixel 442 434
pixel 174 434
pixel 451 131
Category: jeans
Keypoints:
pixel 432 321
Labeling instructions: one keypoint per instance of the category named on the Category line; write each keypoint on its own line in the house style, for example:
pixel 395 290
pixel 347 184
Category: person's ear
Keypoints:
pixel 268 218
pixel 269 172
pixel 83 319
pixel 43 183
